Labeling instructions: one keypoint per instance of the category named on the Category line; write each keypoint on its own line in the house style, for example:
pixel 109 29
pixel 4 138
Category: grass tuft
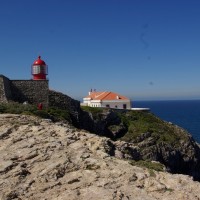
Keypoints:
pixel 148 164
pixel 52 113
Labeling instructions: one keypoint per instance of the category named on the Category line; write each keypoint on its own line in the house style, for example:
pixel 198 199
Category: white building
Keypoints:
pixel 106 99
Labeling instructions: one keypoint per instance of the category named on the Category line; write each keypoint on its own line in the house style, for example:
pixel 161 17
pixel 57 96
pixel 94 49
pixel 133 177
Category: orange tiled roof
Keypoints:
pixel 106 96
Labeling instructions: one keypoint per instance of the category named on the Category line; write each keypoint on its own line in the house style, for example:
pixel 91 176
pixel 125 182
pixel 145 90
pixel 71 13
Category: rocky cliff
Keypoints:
pixel 40 159
pixel 155 139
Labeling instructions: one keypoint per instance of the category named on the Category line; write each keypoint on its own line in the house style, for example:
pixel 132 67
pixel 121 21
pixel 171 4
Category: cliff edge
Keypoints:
pixel 155 139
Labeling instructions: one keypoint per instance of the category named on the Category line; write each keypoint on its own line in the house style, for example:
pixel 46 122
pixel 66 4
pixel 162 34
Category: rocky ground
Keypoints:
pixel 44 160
pixel 146 137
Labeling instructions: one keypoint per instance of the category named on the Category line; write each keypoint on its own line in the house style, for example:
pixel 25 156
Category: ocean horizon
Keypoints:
pixel 184 113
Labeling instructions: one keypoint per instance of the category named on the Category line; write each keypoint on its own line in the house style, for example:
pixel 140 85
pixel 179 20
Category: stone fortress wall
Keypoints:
pixel 35 92
pixel 31 91
pixel 5 91
pixel 62 101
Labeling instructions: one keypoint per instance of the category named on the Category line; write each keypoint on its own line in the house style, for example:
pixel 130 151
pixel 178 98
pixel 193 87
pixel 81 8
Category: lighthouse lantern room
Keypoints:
pixel 39 69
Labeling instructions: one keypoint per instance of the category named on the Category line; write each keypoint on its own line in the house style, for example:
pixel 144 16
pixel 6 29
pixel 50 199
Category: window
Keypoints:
pixel 124 106
pixel 107 106
pixel 43 69
pixel 37 69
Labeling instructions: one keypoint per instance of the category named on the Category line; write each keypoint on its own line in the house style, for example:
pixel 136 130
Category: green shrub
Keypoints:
pixel 41 113
pixel 143 122
pixel 58 114
pixel 16 108
pixel 55 114
pixel 148 164
pixel 93 110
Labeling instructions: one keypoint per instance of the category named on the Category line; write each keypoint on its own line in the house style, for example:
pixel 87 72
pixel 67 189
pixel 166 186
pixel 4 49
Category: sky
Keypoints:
pixel 143 49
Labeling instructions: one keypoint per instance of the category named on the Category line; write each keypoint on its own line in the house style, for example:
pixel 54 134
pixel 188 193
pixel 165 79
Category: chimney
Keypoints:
pixel 90 92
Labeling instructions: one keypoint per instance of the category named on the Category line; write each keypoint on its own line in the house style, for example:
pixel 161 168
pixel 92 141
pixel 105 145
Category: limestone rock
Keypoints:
pixel 44 160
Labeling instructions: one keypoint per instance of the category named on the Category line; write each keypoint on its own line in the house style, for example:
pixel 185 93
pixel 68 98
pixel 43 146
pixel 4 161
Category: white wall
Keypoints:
pixel 112 103
pixel 117 104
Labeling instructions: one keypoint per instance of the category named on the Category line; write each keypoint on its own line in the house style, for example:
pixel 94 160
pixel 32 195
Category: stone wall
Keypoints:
pixel 2 90
pixel 32 91
pixel 62 101
pixel 5 92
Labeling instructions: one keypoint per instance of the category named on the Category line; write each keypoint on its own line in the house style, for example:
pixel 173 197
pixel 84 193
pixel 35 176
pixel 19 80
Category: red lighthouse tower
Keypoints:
pixel 39 69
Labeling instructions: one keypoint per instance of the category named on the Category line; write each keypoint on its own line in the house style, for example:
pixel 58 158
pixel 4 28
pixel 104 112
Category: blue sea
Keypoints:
pixel 184 113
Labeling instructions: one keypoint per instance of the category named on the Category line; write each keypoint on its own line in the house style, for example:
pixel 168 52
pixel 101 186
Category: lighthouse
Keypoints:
pixel 39 69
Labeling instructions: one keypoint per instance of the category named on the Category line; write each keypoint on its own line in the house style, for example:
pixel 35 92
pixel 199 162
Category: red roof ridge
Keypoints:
pixel 106 95
pixel 99 94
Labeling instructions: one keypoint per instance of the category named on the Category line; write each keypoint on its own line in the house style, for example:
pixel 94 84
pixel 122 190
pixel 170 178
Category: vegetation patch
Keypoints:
pixel 148 164
pixel 114 128
pixel 52 113
pixel 139 123
pixel 93 110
